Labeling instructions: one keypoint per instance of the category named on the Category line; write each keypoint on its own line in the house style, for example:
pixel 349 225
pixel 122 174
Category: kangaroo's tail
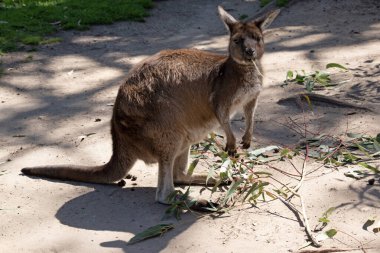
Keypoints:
pixel 104 174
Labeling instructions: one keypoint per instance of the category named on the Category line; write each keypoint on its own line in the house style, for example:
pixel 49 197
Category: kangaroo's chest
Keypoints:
pixel 244 95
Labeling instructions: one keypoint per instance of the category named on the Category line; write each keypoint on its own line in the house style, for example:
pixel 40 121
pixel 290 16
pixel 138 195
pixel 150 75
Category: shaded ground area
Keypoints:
pixel 51 98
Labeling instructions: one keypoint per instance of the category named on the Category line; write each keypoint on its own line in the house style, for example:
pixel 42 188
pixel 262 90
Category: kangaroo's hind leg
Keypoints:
pixel 181 175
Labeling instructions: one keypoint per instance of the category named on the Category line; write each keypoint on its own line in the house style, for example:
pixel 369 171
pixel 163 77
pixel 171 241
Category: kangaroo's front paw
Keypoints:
pixel 245 145
pixel 246 141
pixel 231 149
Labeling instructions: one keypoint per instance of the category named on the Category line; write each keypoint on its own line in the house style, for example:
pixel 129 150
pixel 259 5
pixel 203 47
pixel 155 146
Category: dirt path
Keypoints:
pixel 51 98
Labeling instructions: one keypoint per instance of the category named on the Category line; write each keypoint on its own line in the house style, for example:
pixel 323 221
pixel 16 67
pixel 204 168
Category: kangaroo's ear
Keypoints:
pixel 227 19
pixel 264 21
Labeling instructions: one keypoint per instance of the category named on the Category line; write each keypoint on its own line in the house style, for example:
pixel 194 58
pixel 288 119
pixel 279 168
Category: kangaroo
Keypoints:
pixel 174 99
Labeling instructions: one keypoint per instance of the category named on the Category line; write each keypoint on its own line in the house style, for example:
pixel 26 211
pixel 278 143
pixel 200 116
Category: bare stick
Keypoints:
pixel 306 223
pixel 305 220
pixel 329 250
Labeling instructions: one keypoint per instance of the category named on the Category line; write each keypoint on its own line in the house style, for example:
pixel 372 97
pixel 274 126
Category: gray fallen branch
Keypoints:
pixel 300 99
pixel 331 250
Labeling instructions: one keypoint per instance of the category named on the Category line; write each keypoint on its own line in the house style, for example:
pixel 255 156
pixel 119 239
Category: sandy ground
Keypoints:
pixel 51 97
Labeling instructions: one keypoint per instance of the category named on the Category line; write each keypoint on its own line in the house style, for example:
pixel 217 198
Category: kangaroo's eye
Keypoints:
pixel 237 40
pixel 255 37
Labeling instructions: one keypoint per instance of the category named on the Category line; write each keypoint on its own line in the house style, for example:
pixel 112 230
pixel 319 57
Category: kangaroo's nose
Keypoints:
pixel 249 51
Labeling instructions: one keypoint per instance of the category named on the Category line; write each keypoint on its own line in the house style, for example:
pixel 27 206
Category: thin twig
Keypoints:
pixel 290 161
pixel 283 172
pixel 303 129
pixel 284 185
pixel 303 172
pixel 290 128
pixel 361 244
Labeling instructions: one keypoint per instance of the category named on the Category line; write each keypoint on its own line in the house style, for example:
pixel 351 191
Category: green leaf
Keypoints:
pixel 260 151
pixel 268 159
pixel 285 152
pixel 271 195
pixel 300 78
pixel 350 158
pixel 223 155
pixel 307 98
pixel 211 173
pixel 325 215
pixel 213 149
pixel 367 166
pixel 326 235
pixel 192 166
pixel 215 187
pixel 225 166
pixel 314 154
pixel 258 173
pixel 376 145
pixel 335 65
pixel 324 148
pixel 362 149
pixel 329 211
pixel 355 136
pixel 322 78
pixel 324 220
pixel 331 233
pixel 282 192
pixel 251 190
pixel 231 191
pixel 309 85
pixel 289 75
pixel 368 223
pixel 150 232
pixel 353 175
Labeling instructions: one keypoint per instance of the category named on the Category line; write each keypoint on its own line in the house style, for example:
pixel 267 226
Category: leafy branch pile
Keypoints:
pixel 248 184
pixel 316 80
pixel 357 150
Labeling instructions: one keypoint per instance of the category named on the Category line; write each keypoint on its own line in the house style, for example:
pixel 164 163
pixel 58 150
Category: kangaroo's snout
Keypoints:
pixel 250 52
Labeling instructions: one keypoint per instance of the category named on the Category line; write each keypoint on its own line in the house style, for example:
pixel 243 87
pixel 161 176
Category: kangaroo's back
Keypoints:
pixel 173 68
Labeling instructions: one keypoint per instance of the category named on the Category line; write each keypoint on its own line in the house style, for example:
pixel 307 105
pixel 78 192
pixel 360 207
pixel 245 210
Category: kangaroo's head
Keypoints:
pixel 246 38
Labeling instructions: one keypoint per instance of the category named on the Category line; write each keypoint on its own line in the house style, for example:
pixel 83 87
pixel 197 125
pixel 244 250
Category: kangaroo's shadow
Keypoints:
pixel 130 210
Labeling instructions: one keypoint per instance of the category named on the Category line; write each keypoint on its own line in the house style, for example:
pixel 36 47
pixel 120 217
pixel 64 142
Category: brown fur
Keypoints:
pixel 172 100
